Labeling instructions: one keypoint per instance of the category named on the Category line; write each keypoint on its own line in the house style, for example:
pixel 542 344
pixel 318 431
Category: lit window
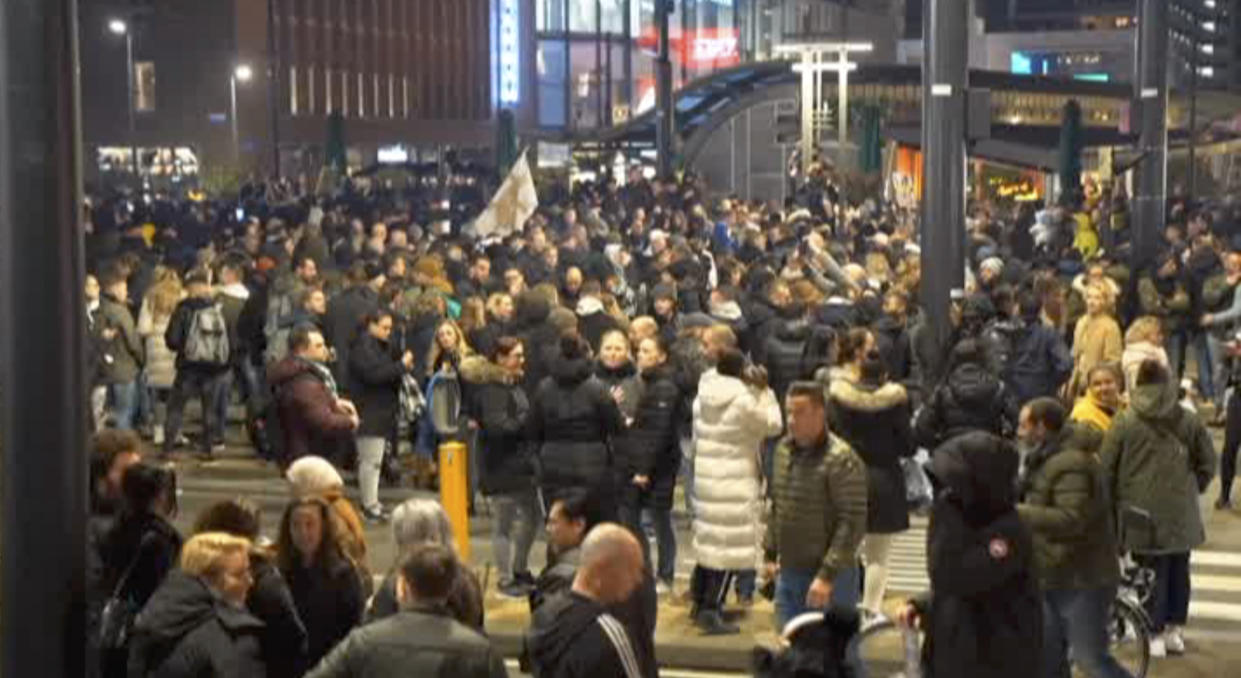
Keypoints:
pixel 361 97
pixel 310 90
pixel 1209 26
pixel 293 90
pixel 1207 71
pixel 1208 48
pixel 1210 4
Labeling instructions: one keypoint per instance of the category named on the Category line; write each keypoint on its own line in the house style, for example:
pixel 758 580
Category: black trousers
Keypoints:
pixel 708 588
pixel 1232 441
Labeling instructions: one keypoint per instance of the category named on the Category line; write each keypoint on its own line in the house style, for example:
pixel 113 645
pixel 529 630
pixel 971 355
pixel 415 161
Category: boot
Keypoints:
pixel 711 623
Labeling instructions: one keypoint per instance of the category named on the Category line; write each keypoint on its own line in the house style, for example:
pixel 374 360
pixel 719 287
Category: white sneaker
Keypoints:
pixel 1159 649
pixel 157 434
pixel 1174 639
pixel 662 588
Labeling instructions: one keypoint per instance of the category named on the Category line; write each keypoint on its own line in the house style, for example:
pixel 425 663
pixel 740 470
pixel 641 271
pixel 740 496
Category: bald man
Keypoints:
pixel 575 634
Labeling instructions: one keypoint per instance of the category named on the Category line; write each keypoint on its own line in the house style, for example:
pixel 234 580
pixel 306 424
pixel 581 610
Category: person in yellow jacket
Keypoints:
pixel 1085 237
pixel 1103 399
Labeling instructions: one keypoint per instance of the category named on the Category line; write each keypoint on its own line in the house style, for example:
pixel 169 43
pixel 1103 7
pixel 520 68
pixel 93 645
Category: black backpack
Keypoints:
pixel 263 426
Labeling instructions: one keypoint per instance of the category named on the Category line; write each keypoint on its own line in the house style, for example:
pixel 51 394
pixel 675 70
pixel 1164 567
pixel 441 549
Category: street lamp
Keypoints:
pixel 119 27
pixel 242 73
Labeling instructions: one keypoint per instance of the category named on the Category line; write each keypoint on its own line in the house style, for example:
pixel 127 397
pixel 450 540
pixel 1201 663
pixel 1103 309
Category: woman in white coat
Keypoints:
pixel 733 413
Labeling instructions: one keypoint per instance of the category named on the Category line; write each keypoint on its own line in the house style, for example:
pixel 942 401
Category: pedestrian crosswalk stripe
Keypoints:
pixel 1207 609
pixel 1215 559
pixel 1213 582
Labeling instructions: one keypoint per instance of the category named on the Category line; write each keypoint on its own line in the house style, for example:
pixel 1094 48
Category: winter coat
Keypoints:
pixel 650 446
pixel 622 378
pixel 1158 457
pixel 731 420
pixel 572 636
pixel 1134 355
pixel 972 399
pixel 330 603
pixel 593 322
pixel 346 314
pixel 187 631
pixel 178 334
pixel 161 361
pixel 1038 362
pixel 1168 301
pixel 465 600
pixel 309 421
pixel 1096 340
pixel 501 408
pixel 894 347
pixel 232 299
pixel 538 335
pixel 420 641
pixel 283 637
pixel 783 353
pixel 1066 508
pixel 818 516
pixel 122 356
pixel 984 618
pixel 573 421
pixel 875 421
pixel 374 383
pixel 120 547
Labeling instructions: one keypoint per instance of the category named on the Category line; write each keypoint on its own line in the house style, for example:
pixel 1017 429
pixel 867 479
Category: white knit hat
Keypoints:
pixel 312 476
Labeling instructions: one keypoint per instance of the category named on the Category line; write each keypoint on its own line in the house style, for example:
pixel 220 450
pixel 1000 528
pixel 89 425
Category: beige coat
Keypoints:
pixel 1097 340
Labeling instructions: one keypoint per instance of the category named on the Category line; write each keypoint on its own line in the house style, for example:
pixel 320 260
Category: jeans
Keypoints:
pixel 1169 600
pixel 665 535
pixel 206 386
pixel 747 582
pixel 518 517
pixel 792 586
pixel 1232 441
pixel 370 461
pixel 1178 343
pixel 687 473
pixel 222 397
pixel 1075 621
pixel 1219 367
pixel 124 399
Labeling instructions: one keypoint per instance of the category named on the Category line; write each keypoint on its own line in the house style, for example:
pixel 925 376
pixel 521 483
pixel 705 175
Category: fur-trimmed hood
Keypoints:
pixel 867 398
pixel 476 369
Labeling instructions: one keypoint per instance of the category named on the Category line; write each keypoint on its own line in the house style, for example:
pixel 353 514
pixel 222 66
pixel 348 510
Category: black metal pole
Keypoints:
pixel 1152 106
pixel 274 72
pixel 663 90
pixel 1192 184
pixel 944 74
pixel 43 421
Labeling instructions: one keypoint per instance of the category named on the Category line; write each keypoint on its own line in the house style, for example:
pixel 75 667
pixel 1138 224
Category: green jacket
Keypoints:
pixel 1172 311
pixel 1158 457
pixel 1065 505
pixel 123 355
pixel 818 516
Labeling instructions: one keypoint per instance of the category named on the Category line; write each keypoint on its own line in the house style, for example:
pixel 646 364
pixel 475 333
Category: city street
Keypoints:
pixel 1213 634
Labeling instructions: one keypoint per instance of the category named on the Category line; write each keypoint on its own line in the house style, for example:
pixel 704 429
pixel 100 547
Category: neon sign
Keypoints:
pixel 510 53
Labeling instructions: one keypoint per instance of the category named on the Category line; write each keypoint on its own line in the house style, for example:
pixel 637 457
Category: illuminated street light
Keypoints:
pixel 243 73
pixel 118 27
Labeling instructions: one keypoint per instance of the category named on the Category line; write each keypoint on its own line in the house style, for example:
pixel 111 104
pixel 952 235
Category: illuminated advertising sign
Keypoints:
pixel 510 53
pixel 700 48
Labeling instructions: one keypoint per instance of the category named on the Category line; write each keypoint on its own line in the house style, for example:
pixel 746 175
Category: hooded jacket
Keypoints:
pixel 650 447
pixel 874 420
pixel 373 385
pixel 573 420
pixel 186 630
pixel 123 354
pixel 1065 506
pixel 572 636
pixel 984 618
pixel 731 420
pixel 783 353
pixel 177 334
pixel 1158 457
pixel 539 336
pixel 307 409
pixel 1038 361
pixel 971 399
pixel 593 322
pixel 501 408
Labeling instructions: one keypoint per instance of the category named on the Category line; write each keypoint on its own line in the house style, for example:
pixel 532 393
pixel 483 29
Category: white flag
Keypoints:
pixel 512 204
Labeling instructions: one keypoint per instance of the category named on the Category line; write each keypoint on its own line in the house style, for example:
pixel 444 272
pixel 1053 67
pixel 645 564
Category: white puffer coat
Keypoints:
pixel 731 420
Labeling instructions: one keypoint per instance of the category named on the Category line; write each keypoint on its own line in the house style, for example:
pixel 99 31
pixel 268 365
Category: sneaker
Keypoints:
pixel 377 516
pixel 711 623
pixel 218 448
pixel 513 589
pixel 524 578
pixel 663 588
pixel 869 618
pixel 1174 640
pixel 1159 649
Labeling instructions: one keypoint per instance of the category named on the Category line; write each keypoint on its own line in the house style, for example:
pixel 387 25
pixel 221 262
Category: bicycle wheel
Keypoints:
pixel 880 648
pixel 1129 637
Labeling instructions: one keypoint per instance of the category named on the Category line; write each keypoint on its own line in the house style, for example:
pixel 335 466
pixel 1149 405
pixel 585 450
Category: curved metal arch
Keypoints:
pixel 702 133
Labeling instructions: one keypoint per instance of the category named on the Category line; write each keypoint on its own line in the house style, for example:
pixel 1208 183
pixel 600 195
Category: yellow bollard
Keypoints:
pixel 454 491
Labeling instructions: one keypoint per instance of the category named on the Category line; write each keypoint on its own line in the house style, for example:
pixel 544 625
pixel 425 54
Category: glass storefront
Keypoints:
pixel 596 57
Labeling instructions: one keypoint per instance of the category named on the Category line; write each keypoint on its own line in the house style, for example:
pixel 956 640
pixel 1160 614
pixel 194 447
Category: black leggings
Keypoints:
pixel 1232 441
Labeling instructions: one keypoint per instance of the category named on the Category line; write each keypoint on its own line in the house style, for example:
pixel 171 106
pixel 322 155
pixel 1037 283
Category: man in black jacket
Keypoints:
pixel 574 634
pixel 422 639
pixel 193 332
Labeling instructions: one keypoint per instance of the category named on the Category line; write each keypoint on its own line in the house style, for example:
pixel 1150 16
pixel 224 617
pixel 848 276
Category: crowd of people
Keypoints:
pixel 770 362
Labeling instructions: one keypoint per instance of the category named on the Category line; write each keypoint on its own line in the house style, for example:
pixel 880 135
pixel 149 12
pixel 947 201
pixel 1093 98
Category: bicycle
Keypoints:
pixel 888 650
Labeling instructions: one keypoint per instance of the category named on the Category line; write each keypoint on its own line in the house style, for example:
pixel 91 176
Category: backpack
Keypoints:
pixel 265 429
pixel 207 341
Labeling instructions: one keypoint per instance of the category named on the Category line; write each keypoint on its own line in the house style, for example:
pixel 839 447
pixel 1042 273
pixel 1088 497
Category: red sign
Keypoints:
pixel 701 48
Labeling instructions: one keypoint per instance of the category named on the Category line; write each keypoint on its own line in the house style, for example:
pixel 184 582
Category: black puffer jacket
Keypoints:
pixel 374 384
pixel 874 420
pixel 345 315
pixel 538 335
pixel 972 399
pixel 573 421
pixel 783 354
pixel 187 631
pixel 895 347
pixel 984 618
pixel 283 636
pixel 501 408
pixel 651 447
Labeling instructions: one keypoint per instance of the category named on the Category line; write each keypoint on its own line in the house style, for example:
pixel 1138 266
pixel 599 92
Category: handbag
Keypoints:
pixel 119 613
pixel 918 492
